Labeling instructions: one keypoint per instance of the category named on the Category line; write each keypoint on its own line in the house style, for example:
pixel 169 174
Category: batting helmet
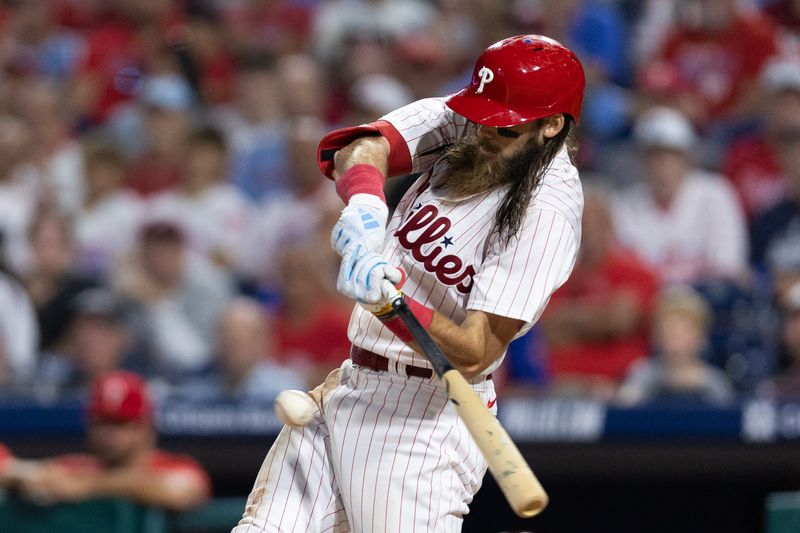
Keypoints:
pixel 520 79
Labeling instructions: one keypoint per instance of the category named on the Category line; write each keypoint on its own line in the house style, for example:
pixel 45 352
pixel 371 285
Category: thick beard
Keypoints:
pixel 472 171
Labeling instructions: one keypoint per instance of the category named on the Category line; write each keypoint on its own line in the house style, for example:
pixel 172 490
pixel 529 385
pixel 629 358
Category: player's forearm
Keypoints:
pixel 472 346
pixel 148 489
pixel 365 150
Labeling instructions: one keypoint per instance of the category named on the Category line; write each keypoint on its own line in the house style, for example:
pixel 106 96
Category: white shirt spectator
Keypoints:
pixel 19 332
pixel 701 235
pixel 215 220
pixel 19 196
pixel 182 327
pixel 106 231
pixel 63 175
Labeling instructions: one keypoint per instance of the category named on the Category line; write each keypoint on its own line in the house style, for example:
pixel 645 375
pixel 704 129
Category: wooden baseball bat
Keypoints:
pixel 515 478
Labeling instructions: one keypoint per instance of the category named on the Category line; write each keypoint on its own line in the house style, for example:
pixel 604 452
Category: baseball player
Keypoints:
pixel 479 243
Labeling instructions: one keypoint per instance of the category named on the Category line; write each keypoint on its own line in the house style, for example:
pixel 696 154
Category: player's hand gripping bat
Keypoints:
pixel 515 478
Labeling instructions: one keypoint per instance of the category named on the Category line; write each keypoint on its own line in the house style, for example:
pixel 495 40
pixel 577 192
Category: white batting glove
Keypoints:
pixel 363 279
pixel 361 227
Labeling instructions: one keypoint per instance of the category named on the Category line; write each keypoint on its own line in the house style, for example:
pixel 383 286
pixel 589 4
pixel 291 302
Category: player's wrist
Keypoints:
pixel 392 321
pixel 361 179
pixel 373 203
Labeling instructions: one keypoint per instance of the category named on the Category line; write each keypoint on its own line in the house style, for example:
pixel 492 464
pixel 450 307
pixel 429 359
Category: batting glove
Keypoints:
pixel 363 279
pixel 361 227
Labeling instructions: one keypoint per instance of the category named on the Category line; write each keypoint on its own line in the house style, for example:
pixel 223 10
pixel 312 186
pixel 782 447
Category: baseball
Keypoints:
pixel 295 408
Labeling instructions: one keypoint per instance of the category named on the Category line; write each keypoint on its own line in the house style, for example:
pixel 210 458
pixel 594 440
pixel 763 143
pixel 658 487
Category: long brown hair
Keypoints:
pixel 511 213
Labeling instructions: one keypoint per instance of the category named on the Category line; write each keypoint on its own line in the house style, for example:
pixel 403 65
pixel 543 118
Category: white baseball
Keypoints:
pixel 295 408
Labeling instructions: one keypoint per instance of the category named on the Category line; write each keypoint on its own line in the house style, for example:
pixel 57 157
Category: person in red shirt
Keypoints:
pixel 124 461
pixel 751 163
pixel 595 326
pixel 709 63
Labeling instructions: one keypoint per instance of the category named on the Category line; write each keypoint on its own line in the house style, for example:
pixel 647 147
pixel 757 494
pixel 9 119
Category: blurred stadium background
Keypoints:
pixel 161 212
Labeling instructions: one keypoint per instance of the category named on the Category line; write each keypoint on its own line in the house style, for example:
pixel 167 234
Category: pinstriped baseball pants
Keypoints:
pixel 388 455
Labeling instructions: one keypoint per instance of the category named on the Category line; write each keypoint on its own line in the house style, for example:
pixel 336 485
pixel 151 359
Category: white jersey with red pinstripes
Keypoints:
pixel 454 262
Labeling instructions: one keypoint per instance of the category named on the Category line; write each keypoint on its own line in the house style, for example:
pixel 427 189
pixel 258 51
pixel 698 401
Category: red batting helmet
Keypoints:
pixel 520 79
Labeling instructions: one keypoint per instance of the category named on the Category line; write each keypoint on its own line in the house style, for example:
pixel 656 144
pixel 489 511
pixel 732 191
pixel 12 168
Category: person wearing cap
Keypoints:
pixel 98 340
pixel 786 384
pixel 123 460
pixel 685 222
pixel 479 243
pixel 753 163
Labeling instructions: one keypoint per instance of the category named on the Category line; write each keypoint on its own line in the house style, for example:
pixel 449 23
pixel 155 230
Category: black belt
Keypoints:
pixel 365 358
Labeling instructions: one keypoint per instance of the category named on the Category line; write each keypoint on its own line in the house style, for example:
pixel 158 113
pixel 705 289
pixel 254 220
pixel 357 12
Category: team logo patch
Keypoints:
pixel 486 75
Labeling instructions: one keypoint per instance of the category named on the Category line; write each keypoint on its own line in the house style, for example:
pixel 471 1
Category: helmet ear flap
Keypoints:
pixel 520 79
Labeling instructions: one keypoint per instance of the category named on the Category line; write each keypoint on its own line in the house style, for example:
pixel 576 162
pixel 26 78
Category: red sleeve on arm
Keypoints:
pixel 399 155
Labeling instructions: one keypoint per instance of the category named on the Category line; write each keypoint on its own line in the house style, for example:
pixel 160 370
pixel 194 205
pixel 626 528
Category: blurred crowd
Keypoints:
pixel 161 210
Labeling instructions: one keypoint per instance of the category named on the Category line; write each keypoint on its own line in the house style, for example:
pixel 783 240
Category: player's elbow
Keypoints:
pixel 472 365
pixel 364 150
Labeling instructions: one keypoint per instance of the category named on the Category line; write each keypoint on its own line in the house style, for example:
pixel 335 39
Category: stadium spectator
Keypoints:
pixel 19 191
pixel 786 385
pixel 97 341
pixel 709 62
pixel 752 162
pixel 123 460
pixel 685 222
pixel 273 28
pixel 56 156
pixel 677 373
pixel 213 212
pixel 254 126
pixel 776 233
pixel 292 218
pixel 166 101
pixel 339 22
pixel 304 86
pixel 209 62
pixel 105 226
pixel 19 332
pixel 123 44
pixel 786 13
pixel 309 326
pixel 52 279
pixel 596 324
pixel 182 295
pixel 244 367
pixel 41 46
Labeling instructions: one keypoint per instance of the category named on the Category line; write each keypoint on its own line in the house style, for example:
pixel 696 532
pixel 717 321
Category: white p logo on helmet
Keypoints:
pixel 486 77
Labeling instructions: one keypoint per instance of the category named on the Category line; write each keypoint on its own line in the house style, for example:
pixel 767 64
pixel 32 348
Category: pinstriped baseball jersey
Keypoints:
pixel 388 452
pixel 454 262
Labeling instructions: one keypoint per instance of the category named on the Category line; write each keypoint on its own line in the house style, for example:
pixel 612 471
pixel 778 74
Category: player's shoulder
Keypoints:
pixel 424 110
pixel 560 191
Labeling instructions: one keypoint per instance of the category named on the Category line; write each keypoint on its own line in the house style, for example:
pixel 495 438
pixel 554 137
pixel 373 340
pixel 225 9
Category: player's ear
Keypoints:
pixel 552 125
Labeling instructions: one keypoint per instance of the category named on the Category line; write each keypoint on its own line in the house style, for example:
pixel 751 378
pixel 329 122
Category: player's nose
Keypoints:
pixel 486 132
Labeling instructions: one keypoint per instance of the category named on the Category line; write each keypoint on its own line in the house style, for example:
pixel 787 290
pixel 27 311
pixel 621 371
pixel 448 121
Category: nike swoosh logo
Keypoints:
pixel 491 403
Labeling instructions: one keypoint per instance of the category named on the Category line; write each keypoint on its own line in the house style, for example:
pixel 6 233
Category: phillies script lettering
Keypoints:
pixel 449 269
